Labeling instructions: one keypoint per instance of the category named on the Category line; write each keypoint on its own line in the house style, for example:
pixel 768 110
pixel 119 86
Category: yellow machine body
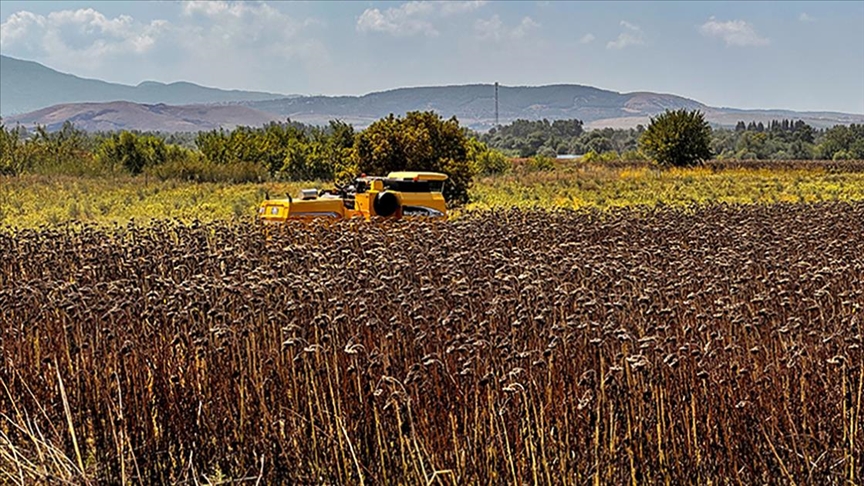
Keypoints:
pixel 398 195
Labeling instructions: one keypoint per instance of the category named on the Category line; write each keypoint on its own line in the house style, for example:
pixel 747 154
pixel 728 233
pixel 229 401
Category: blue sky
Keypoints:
pixel 796 55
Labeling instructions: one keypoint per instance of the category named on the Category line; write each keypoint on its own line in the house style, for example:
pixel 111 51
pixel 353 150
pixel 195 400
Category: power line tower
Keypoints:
pixel 496 104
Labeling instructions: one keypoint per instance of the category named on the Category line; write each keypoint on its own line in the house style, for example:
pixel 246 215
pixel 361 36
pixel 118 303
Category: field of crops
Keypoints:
pixel 29 201
pixel 692 345
pixel 628 184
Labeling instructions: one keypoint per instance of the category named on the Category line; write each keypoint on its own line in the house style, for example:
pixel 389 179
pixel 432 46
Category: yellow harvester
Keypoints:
pixel 400 194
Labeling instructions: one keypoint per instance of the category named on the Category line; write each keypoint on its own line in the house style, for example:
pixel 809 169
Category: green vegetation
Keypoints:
pixel 420 141
pixel 275 152
pixel 525 138
pixel 677 138
pixel 34 200
pixel 779 140
pixel 603 187
pixel 70 175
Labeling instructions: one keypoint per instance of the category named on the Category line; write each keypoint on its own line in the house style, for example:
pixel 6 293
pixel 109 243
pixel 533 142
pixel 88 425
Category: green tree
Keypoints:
pixel 597 141
pixel 133 152
pixel 847 141
pixel 421 141
pixel 308 160
pixel 677 138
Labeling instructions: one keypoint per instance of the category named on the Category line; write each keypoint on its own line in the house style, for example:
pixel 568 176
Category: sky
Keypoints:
pixel 793 55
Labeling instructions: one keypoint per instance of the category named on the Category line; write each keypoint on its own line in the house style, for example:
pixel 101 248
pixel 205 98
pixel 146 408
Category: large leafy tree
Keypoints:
pixel 677 138
pixel 421 141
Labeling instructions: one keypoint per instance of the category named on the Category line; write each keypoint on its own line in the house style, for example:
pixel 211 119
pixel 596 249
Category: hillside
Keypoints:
pixel 27 86
pixel 474 105
pixel 49 97
pixel 124 115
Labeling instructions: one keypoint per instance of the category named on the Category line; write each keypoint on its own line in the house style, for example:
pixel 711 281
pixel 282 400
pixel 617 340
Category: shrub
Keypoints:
pixel 678 138
pixel 594 157
pixel 842 155
pixel 547 152
pixel 188 165
pixel 633 155
pixel 541 163
pixel 489 162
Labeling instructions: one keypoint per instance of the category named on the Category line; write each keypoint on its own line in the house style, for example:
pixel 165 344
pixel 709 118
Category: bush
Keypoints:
pixel 842 155
pixel 541 163
pixel 678 138
pixel 490 162
pixel 68 151
pixel 547 152
pixel 594 157
pixel 633 155
pixel 192 166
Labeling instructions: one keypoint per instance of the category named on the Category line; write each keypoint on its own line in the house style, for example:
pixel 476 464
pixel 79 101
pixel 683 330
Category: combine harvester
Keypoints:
pixel 399 195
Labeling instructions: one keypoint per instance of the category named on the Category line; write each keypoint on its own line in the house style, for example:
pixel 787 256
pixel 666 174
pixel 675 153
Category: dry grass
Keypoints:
pixel 697 345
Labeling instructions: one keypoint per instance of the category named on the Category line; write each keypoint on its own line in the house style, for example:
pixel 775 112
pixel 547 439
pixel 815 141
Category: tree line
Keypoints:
pixel 277 151
pixel 779 139
pixel 418 141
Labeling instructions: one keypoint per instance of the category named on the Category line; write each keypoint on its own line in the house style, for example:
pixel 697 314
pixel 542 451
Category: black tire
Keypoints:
pixel 386 204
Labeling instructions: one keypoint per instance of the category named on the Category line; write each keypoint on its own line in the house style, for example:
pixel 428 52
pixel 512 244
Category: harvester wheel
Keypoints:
pixel 386 204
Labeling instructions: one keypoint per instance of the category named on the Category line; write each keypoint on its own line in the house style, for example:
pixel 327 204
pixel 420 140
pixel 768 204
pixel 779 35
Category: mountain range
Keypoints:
pixel 31 93
pixel 27 86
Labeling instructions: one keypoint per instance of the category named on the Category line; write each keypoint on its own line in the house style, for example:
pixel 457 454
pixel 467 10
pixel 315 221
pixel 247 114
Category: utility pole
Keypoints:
pixel 496 104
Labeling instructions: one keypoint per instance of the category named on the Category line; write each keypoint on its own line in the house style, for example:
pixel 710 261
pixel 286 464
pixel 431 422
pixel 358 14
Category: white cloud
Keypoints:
pixel 398 22
pixel 226 39
pixel 455 8
pixel 587 38
pixel 243 23
pixel 733 32
pixel 632 36
pixel 527 25
pixel 17 25
pixel 495 30
pixel 242 34
pixel 492 29
pixel 207 8
pixel 628 25
pixel 806 18
pixel 413 18
pixel 83 37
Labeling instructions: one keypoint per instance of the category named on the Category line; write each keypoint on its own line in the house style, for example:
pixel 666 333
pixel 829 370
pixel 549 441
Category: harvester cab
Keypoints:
pixel 396 196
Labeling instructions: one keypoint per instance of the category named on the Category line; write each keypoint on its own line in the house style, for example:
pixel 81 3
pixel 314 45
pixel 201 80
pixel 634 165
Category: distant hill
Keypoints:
pixel 474 106
pixel 35 89
pixel 27 86
pixel 125 115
